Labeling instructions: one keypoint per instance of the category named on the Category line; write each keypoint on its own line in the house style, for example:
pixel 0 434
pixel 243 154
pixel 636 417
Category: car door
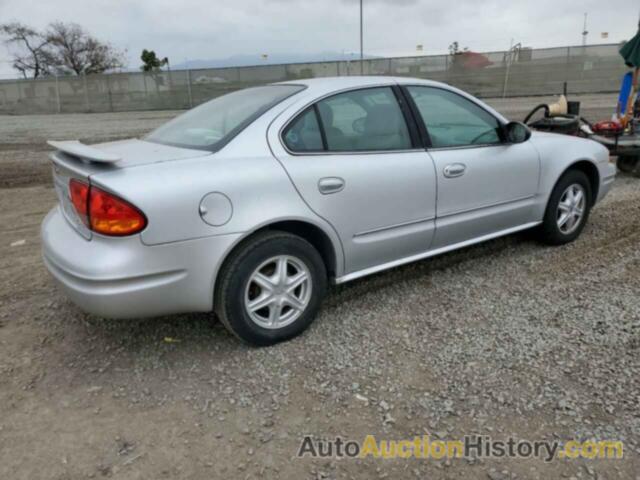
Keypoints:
pixel 355 160
pixel 485 185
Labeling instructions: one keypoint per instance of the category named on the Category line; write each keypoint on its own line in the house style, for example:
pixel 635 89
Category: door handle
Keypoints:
pixel 329 185
pixel 454 170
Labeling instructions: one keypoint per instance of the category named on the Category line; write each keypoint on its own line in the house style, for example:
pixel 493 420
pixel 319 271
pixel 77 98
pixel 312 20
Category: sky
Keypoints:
pixel 214 29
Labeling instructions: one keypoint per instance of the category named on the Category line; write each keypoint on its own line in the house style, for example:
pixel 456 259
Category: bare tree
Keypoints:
pixel 31 57
pixel 74 50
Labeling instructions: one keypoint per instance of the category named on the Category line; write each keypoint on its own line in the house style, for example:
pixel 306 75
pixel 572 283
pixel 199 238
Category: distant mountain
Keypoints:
pixel 271 59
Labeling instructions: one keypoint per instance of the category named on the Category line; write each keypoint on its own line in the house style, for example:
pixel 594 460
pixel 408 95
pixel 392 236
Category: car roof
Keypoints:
pixel 319 87
pixel 329 84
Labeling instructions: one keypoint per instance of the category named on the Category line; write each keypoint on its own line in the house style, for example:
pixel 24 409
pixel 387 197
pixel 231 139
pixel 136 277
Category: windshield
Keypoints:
pixel 213 124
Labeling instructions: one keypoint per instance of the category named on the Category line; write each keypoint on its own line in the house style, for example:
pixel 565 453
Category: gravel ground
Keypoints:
pixel 508 338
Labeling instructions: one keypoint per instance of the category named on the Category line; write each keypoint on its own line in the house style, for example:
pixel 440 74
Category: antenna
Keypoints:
pixel 585 32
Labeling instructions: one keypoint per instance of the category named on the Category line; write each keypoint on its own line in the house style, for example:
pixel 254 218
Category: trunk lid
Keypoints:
pixel 74 160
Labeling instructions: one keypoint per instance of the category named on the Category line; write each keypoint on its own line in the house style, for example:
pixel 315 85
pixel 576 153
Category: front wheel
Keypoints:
pixel 568 209
pixel 270 288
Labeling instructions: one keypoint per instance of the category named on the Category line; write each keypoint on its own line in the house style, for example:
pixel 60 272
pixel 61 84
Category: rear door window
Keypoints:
pixel 364 120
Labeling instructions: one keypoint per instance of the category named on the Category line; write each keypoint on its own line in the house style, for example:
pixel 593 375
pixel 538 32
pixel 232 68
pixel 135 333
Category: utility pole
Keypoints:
pixel 585 32
pixel 361 42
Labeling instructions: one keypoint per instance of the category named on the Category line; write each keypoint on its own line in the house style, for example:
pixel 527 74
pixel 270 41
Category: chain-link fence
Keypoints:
pixel 520 72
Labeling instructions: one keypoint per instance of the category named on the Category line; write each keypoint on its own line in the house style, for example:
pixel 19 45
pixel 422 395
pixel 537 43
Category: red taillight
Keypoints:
pixel 105 213
pixel 80 199
pixel 111 215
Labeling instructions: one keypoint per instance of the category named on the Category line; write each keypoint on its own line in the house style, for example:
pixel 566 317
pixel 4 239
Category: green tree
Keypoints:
pixel 150 61
pixel 152 65
pixel 454 49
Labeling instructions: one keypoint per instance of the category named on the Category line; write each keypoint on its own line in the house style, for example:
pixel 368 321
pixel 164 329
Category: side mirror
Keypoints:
pixel 517 132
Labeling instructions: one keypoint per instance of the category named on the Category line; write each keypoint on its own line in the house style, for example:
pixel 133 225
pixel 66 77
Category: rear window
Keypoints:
pixel 213 124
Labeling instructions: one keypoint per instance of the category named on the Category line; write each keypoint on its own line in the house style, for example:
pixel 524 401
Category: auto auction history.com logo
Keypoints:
pixel 471 446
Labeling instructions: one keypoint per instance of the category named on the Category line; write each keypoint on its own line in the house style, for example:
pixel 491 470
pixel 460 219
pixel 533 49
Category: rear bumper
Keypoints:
pixel 123 278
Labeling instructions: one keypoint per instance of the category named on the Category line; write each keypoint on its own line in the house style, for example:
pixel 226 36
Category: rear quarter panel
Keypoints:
pixel 557 154
pixel 170 193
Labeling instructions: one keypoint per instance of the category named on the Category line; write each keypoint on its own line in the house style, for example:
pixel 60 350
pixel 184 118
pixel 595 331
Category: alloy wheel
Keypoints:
pixel 278 292
pixel 571 208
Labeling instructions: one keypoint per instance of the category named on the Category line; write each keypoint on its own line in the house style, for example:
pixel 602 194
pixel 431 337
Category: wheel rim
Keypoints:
pixel 571 208
pixel 278 292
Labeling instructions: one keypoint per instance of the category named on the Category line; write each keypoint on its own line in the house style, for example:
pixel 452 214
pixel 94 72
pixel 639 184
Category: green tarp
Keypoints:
pixel 631 51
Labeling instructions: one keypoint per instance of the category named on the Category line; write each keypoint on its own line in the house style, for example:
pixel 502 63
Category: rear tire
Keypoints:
pixel 270 288
pixel 629 164
pixel 568 209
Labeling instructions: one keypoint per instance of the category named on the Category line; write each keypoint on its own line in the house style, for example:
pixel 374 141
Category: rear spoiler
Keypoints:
pixel 85 152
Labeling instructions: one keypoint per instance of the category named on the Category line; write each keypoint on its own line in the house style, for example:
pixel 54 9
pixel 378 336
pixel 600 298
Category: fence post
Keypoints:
pixel 567 65
pixel 506 74
pixel 86 91
pixel 172 95
pixel 57 93
pixel 446 69
pixel 19 99
pixel 144 82
pixel 189 88
pixel 107 78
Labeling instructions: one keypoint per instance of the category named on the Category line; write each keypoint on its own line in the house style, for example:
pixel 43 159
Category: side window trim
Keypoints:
pixel 323 133
pixel 425 131
pixel 417 118
pixel 408 116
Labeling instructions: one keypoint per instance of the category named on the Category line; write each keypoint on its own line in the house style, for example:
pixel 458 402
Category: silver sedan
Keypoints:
pixel 251 204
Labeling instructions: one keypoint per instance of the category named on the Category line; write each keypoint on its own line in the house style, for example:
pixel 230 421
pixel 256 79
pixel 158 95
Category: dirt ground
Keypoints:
pixel 507 338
